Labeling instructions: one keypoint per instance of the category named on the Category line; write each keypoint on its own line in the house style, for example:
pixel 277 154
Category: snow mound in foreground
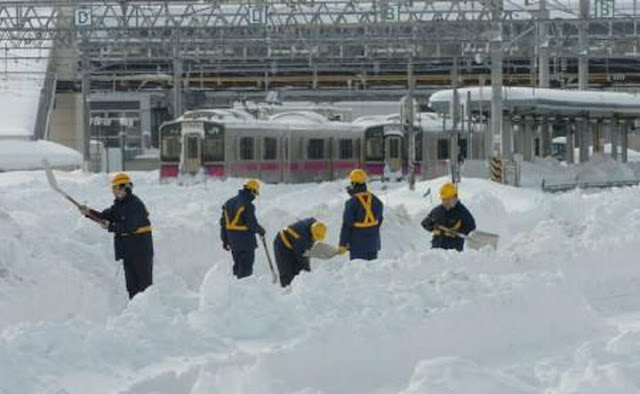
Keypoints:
pixel 552 311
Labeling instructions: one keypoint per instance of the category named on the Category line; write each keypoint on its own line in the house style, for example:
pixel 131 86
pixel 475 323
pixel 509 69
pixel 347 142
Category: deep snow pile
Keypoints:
pixel 28 155
pixel 555 310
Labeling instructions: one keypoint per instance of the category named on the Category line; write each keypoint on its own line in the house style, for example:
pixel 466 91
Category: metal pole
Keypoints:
pixel 177 76
pixel 543 74
pixel 412 135
pixel 455 118
pixel 123 141
pixel 86 108
pixel 583 47
pixel 543 46
pixel 496 78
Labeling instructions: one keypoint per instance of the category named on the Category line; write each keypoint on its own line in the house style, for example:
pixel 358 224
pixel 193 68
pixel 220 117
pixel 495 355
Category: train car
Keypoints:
pixel 303 146
pixel 386 147
pixel 195 144
pixel 288 147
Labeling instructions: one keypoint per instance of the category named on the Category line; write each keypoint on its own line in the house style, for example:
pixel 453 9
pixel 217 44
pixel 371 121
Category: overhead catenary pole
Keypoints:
pixel 583 46
pixel 86 107
pixel 543 73
pixel 496 77
pixel 410 129
pixel 177 76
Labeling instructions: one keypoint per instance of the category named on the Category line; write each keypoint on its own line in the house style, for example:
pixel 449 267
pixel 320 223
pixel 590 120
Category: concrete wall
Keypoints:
pixel 66 120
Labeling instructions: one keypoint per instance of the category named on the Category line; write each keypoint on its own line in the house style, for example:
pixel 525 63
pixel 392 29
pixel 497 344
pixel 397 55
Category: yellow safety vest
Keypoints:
pixel 139 230
pixel 234 225
pixel 285 240
pixel 457 226
pixel 366 200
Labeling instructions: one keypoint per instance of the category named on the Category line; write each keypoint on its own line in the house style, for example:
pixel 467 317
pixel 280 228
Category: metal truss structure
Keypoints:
pixel 327 43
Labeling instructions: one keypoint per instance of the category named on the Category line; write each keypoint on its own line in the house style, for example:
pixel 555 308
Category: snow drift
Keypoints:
pixel 554 310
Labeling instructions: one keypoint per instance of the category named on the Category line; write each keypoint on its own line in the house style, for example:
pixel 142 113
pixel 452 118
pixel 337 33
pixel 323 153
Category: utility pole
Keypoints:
pixel 543 45
pixel 86 107
pixel 177 75
pixel 412 135
pixel 583 46
pixel 496 79
pixel 543 73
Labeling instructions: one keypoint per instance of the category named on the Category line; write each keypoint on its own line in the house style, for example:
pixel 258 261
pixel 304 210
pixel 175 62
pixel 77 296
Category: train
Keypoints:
pixel 304 146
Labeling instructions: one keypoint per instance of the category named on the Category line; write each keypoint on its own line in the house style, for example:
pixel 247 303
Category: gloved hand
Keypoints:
pixel 225 246
pixel 105 224
pixel 343 249
pixel 84 210
pixel 428 223
pixel 261 231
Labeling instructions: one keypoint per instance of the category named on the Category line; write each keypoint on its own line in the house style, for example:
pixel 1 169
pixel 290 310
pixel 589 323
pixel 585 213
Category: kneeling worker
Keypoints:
pixel 128 220
pixel 450 215
pixel 292 244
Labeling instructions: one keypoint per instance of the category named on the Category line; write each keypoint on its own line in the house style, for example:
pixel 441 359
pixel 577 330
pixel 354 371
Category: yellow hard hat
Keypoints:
pixel 120 179
pixel 358 176
pixel 448 190
pixel 253 185
pixel 318 231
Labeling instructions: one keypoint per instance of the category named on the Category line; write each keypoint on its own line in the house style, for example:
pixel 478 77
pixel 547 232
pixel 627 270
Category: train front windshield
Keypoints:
pixel 170 144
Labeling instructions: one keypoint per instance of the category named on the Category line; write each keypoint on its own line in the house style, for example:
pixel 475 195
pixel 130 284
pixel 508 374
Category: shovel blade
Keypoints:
pixel 323 251
pixel 480 239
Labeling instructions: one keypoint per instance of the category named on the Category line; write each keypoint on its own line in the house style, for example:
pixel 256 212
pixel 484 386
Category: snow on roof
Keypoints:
pixel 558 101
pixel 228 115
pixel 20 92
pixel 28 155
pixel 299 117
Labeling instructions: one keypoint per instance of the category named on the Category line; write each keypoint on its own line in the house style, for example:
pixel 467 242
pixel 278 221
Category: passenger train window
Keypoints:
pixel 213 149
pixel 170 149
pixel 443 149
pixel 270 151
pixel 246 148
pixel 374 144
pixel 315 149
pixel 419 147
pixel 345 149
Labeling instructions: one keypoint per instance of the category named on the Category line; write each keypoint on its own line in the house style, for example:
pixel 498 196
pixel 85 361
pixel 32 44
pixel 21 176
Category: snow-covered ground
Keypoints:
pixel 554 310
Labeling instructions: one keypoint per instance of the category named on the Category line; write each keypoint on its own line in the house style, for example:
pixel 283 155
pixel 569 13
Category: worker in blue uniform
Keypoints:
pixel 291 245
pixel 448 220
pixel 128 220
pixel 361 220
pixel 239 226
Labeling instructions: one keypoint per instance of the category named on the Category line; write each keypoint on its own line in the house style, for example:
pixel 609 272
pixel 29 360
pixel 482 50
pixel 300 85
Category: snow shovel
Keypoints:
pixel 54 185
pixel 322 251
pixel 477 239
pixel 274 277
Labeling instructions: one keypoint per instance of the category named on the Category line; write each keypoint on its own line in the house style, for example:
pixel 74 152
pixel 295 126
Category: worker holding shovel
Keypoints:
pixel 128 220
pixel 450 222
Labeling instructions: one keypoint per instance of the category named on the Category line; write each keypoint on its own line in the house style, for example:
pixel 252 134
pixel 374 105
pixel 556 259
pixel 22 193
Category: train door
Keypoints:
pixel 393 152
pixel 192 153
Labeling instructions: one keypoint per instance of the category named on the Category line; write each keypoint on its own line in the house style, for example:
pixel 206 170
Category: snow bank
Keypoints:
pixel 552 311
pixel 28 155
pixel 20 85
